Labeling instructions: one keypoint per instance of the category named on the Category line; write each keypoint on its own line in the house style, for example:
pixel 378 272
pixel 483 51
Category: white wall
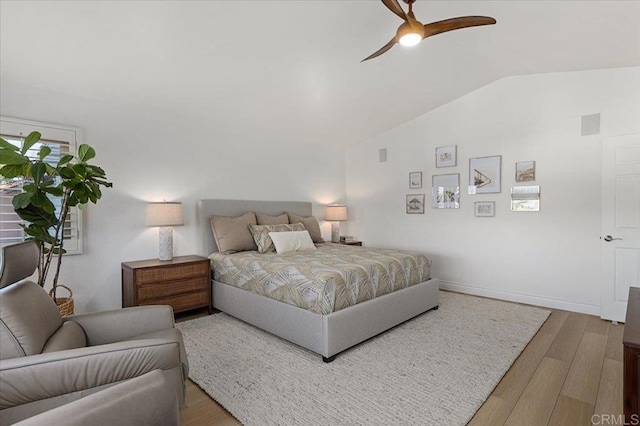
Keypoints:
pixel 151 155
pixel 550 258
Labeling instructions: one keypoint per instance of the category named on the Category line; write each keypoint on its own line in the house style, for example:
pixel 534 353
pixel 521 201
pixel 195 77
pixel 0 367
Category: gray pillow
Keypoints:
pixel 232 233
pixel 310 223
pixel 264 219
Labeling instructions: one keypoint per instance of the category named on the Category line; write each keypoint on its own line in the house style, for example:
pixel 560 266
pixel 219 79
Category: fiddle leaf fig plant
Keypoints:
pixel 71 179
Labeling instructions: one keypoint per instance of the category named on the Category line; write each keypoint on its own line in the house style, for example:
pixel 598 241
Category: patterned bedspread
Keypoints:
pixel 325 280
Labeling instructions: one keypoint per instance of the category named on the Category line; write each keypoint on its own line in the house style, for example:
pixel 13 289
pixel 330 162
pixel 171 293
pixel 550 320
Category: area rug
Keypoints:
pixel 436 369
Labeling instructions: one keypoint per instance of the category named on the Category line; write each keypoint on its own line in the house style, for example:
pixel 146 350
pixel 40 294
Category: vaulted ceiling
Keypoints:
pixel 292 68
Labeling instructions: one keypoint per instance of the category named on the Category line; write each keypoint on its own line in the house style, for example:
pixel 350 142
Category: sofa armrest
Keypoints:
pixel 145 400
pixel 38 377
pixel 122 324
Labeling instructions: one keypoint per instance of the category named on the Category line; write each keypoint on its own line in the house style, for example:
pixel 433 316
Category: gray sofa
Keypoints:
pixel 48 361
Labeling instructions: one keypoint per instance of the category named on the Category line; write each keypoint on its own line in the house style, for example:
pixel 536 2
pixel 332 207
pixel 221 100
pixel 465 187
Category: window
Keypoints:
pixel 62 140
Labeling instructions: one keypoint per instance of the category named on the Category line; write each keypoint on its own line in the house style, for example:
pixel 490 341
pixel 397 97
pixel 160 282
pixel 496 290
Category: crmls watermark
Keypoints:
pixel 614 419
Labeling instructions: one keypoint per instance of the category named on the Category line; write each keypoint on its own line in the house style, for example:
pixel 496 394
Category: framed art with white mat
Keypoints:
pixel 415 180
pixel 484 209
pixel 415 204
pixel 445 190
pixel 485 175
pixel 447 156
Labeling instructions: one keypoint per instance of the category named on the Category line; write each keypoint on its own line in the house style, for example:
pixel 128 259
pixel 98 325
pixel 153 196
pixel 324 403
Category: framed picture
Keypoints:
pixel 485 174
pixel 525 199
pixel 484 209
pixel 445 191
pixel 415 180
pixel 526 171
pixel 447 156
pixel 415 204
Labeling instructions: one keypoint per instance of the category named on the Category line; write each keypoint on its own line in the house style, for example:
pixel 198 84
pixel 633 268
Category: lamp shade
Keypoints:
pixel 164 214
pixel 336 213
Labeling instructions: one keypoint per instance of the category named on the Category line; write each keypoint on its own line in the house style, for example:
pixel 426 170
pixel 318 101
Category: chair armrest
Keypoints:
pixel 37 377
pixel 145 400
pixel 122 324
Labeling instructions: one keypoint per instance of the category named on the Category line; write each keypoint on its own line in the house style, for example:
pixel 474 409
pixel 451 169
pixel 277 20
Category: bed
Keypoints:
pixel 325 331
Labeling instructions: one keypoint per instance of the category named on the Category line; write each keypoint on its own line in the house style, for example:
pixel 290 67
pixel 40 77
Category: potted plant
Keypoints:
pixel 72 179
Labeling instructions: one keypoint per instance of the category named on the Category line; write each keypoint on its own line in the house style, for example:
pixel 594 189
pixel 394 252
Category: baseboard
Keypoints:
pixel 521 298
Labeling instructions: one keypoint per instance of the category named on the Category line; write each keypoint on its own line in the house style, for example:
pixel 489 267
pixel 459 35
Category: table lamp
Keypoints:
pixel 335 214
pixel 165 215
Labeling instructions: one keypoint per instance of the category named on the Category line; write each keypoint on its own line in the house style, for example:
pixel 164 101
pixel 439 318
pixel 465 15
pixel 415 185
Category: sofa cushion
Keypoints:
pixel 69 336
pixel 28 317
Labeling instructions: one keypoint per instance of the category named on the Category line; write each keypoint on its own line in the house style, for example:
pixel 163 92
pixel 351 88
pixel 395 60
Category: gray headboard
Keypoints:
pixel 208 208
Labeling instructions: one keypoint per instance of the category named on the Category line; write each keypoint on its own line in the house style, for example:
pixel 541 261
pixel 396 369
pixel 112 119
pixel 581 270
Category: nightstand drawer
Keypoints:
pixel 181 303
pixel 154 275
pixel 156 290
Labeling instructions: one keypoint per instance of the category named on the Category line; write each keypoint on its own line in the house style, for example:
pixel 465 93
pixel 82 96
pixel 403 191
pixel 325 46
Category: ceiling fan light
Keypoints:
pixel 410 33
pixel 410 39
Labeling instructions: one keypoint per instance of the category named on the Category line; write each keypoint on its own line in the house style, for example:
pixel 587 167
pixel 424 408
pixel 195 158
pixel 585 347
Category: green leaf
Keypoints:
pixel 12 171
pixel 7 145
pixel 98 171
pixel 38 171
pixel 65 159
pixel 79 169
pixel 67 173
pixel 37 217
pixel 41 200
pixel 86 153
pixel 29 141
pixel 22 200
pixel 44 151
pixel 51 171
pixel 54 190
pixel 11 158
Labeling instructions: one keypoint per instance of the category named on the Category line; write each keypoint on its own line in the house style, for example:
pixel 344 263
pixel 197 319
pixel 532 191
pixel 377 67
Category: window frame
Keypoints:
pixel 17 127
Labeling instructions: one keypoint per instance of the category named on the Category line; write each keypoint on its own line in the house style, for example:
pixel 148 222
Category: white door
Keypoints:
pixel 620 223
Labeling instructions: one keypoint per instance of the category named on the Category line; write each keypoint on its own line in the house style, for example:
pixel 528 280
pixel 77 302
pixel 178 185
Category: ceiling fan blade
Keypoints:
pixel 394 6
pixel 384 48
pixel 440 27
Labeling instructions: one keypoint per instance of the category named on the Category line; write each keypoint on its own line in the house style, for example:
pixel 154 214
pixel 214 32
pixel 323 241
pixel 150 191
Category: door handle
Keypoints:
pixel 609 238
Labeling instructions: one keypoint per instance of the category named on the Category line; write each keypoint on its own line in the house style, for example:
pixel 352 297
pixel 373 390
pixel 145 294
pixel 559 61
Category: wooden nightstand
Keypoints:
pixel 183 282
pixel 351 243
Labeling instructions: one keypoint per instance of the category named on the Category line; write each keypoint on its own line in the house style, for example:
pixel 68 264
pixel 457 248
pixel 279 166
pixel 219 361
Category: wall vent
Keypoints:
pixel 591 125
pixel 382 155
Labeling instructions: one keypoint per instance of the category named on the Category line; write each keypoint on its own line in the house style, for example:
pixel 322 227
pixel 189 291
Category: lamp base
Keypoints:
pixel 335 232
pixel 165 237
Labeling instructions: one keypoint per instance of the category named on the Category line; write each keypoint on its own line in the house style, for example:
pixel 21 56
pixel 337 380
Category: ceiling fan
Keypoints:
pixel 412 31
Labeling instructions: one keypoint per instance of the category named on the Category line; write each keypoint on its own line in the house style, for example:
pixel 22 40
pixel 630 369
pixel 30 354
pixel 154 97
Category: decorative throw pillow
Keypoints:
pixel 310 223
pixel 286 242
pixel 232 233
pixel 261 234
pixel 264 219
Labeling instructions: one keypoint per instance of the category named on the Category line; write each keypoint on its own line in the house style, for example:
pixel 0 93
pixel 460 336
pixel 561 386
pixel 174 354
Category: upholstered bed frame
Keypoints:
pixel 326 335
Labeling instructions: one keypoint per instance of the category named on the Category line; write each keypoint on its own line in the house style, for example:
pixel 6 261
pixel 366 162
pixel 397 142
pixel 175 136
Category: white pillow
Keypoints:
pixel 289 241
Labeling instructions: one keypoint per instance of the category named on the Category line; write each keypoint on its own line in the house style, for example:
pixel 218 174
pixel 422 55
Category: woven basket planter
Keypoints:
pixel 65 304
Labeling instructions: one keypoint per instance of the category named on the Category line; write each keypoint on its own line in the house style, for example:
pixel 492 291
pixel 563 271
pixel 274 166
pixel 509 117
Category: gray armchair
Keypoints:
pixel 48 361
pixel 145 400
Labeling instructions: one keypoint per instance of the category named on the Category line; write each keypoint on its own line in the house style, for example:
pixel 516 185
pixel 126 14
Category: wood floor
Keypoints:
pixel 571 370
